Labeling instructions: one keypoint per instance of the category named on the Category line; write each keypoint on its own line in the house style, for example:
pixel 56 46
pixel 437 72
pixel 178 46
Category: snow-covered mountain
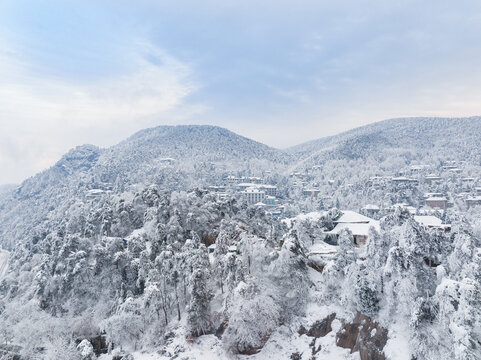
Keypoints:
pixel 183 157
pixel 175 157
pixel 114 246
pixel 449 137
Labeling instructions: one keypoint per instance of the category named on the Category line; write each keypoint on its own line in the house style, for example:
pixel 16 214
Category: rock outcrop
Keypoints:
pixel 363 335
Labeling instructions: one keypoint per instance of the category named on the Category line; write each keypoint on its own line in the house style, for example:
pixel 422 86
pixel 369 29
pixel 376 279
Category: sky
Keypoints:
pixel 279 72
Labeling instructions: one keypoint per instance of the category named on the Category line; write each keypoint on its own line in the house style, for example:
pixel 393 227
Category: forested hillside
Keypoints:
pixel 153 249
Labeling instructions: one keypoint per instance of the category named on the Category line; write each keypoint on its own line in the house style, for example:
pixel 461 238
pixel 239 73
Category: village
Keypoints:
pixel 426 191
pixel 430 191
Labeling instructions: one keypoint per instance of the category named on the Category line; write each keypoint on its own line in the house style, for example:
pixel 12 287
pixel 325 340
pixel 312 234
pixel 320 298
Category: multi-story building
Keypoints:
pixel 437 202
pixel 253 195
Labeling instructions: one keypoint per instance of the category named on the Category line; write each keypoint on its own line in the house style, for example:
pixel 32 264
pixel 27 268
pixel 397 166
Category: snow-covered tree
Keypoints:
pixel 253 316
pixel 199 311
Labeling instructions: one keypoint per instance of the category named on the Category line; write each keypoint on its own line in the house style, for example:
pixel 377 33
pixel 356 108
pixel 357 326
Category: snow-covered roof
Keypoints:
pixel 253 190
pixel 428 220
pixel 260 204
pixel 322 248
pixel 95 191
pixel 268 186
pixel 360 229
pixel 349 216
pixel 432 194
pixel 474 198
pixel 437 198
pixel 371 207
pixel 419 167
pixel 247 185
pixel 402 178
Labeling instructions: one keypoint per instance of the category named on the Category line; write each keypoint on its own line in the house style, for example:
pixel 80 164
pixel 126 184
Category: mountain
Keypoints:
pixel 192 148
pixel 183 157
pixel 175 157
pixel 447 137
pixel 121 249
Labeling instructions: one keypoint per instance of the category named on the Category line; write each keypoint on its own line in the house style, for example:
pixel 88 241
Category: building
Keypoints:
pixel 404 206
pixel 311 192
pixel 473 201
pixel 255 179
pixel 217 189
pixel 419 168
pixel 359 225
pixel 402 180
pixel 167 161
pixel 221 196
pixel 270 190
pixel 91 194
pixel 233 180
pixel 253 195
pixel 270 200
pixel 432 179
pixel 371 209
pixel 431 222
pixel 245 185
pixel 437 202
pixel 432 194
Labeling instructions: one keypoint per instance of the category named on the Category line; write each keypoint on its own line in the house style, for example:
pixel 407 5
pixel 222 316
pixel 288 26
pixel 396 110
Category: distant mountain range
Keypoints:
pixel 450 137
pixel 203 155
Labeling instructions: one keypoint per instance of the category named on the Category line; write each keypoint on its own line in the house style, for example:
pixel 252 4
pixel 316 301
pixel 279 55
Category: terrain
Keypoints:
pixel 149 246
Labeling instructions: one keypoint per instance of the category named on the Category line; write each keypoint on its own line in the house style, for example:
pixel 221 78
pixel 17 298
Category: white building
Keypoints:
pixel 431 222
pixel 357 224
pixel 371 209
pixel 270 190
pixel 167 161
pixel 473 201
pixel 311 192
pixel 253 195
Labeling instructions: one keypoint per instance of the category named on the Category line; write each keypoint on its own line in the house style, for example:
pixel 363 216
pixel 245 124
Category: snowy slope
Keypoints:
pixel 453 136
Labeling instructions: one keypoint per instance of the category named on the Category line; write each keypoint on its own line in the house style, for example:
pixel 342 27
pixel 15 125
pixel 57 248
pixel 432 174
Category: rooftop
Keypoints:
pixel 361 229
pixel 428 220
pixel 349 216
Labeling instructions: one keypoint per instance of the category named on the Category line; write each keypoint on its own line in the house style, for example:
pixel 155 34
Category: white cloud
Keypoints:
pixel 41 116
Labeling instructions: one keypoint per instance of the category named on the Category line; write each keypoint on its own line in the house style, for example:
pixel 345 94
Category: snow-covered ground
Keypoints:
pixel 397 346
pixel 3 262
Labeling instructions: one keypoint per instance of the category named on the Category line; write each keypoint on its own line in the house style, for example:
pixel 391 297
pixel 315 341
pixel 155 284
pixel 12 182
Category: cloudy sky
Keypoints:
pixel 280 72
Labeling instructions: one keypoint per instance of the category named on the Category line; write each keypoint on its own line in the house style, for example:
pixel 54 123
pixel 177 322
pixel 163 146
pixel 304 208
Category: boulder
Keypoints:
pixel 363 335
pixel 86 350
